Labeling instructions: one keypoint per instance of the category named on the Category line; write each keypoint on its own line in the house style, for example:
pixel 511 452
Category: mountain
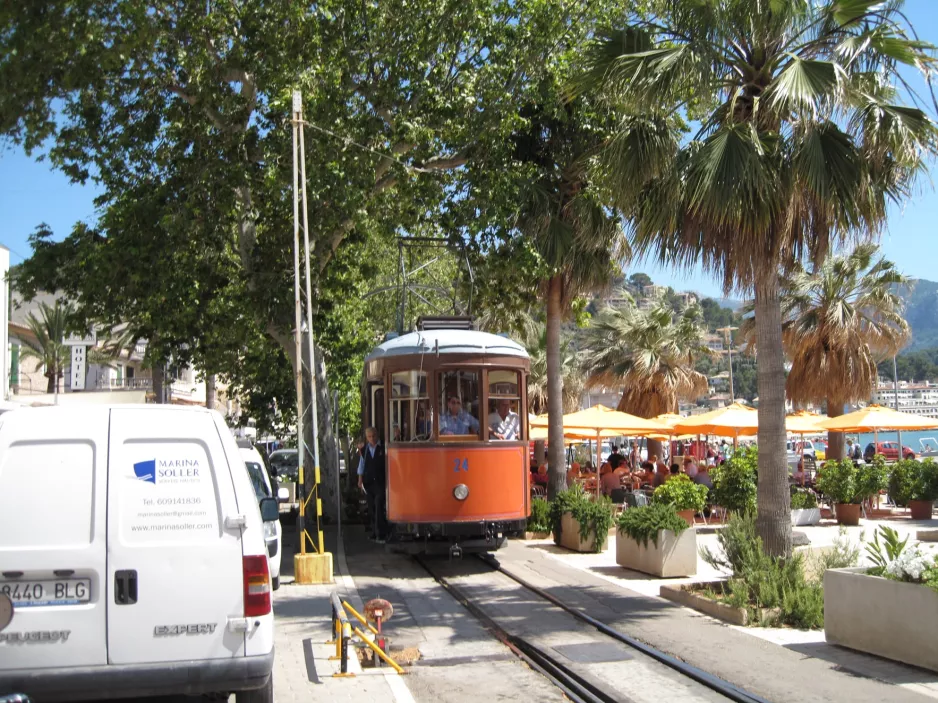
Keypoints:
pixel 922 313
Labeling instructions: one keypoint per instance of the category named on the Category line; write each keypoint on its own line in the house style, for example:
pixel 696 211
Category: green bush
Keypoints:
pixel 593 514
pixel 925 481
pixel 901 480
pixel 682 493
pixel 539 519
pixel 642 524
pixel 761 582
pixel 803 500
pixel 844 482
pixel 734 482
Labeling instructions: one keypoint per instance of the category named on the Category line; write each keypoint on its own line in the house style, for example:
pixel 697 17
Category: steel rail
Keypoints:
pixel 574 687
pixel 715 683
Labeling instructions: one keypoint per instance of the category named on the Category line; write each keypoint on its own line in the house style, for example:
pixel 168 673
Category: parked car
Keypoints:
pixel 284 464
pixel 820 450
pixel 890 450
pixel 142 571
pixel 797 449
pixel 260 479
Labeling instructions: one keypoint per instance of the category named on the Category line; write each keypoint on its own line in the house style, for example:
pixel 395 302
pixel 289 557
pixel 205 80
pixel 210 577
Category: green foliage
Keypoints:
pixel 682 493
pixel 921 365
pixel 803 500
pixel 734 481
pixel 901 481
pixel 890 549
pixel 644 523
pixel 761 582
pixel 539 519
pixel 925 486
pixel 594 515
pixel 844 482
pixel 844 553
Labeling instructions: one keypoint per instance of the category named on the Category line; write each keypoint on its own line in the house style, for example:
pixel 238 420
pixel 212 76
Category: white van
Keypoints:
pixel 257 471
pixel 132 545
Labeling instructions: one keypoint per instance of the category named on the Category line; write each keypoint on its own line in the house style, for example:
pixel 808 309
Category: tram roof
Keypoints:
pixel 448 342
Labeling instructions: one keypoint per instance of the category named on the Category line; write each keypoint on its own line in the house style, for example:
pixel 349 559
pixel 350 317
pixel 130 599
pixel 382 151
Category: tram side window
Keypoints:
pixel 411 414
pixel 504 417
pixel 459 403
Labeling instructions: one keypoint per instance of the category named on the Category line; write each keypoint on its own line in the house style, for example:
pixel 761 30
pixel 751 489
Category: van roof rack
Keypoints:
pixel 445 322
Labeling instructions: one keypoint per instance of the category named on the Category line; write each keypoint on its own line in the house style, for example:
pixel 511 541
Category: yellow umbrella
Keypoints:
pixel 804 422
pixel 601 421
pixel 732 421
pixel 876 417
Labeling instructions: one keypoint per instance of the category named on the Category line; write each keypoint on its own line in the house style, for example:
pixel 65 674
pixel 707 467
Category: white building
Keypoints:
pixel 915 398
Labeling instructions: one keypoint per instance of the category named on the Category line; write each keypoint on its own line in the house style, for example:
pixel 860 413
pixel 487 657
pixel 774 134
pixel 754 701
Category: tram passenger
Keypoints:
pixel 372 479
pixel 456 420
pixel 504 423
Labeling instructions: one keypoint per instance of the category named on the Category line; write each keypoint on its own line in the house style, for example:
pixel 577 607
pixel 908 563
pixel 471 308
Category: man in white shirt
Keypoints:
pixel 504 423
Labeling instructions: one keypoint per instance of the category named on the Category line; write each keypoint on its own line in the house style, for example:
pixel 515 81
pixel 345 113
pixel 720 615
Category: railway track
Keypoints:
pixel 576 686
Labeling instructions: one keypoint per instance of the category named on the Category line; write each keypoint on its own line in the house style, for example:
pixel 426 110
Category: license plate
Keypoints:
pixel 30 594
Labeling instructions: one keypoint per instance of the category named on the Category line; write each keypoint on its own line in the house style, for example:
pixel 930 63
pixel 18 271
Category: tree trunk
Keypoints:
pixel 557 474
pixel 835 440
pixel 50 384
pixel 210 395
pixel 158 377
pixel 656 447
pixel 773 517
pixel 540 453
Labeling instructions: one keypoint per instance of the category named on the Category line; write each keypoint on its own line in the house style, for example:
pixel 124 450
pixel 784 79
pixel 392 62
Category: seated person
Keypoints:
pixel 504 423
pixel 609 479
pixel 573 473
pixel 799 475
pixel 662 474
pixel 539 475
pixel 645 473
pixel 456 420
pixel 703 477
pixel 690 467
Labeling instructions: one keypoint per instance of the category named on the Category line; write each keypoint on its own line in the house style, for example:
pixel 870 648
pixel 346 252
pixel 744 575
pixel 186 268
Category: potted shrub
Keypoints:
pixel 654 539
pixel 580 521
pixel 685 496
pixel 891 609
pixel 804 508
pixel 538 526
pixel 734 482
pixel 900 481
pixel 924 488
pixel 848 485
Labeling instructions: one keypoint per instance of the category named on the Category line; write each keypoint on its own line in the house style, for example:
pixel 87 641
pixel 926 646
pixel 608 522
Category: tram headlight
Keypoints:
pixel 461 492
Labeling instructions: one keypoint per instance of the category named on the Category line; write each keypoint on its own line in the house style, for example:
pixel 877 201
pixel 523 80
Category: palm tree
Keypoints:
pixel 801 146
pixel 837 322
pixel 575 236
pixel 650 354
pixel 574 382
pixel 48 347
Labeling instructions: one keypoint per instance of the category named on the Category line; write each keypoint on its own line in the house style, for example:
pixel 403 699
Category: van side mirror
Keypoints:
pixel 270 509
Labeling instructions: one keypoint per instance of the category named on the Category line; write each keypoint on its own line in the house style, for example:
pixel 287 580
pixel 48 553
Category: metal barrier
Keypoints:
pixel 343 632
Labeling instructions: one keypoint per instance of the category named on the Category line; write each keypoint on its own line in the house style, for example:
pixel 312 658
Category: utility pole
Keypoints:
pixel 317 566
pixel 895 390
pixel 727 331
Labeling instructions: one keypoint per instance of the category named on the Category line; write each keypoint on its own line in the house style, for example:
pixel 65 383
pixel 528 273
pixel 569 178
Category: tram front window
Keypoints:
pixel 411 414
pixel 459 402
pixel 504 419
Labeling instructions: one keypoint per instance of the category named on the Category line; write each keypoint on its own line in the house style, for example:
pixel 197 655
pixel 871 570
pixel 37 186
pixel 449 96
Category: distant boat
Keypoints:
pixel 928 447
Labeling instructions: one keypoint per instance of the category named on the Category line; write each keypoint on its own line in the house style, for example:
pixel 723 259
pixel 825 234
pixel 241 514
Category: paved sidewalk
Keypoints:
pixel 802 670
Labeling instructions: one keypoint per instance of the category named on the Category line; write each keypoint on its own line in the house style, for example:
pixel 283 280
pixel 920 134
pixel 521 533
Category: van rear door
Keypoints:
pixel 174 540
pixel 53 483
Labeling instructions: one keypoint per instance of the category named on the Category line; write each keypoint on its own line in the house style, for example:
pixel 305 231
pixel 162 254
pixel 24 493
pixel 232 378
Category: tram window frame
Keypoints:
pixel 515 397
pixel 444 392
pixel 396 401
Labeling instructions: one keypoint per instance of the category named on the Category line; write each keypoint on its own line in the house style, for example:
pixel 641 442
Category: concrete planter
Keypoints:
pixel 536 535
pixel 685 595
pixel 570 536
pixel 847 513
pixel 891 619
pixel 674 555
pixel 806 516
pixel 921 509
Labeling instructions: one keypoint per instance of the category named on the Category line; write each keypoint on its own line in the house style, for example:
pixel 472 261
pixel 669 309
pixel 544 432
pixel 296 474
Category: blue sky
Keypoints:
pixel 31 193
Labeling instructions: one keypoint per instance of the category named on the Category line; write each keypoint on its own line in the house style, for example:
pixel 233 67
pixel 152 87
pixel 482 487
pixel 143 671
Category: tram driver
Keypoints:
pixel 456 420
pixel 504 423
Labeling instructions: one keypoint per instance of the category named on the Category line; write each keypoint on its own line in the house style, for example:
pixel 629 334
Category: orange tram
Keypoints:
pixel 450 406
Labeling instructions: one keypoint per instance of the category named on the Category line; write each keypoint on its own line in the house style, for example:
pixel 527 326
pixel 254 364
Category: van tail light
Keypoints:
pixel 256 586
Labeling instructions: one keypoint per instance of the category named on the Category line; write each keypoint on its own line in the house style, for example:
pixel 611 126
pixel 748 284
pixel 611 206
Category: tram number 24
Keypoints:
pixel 460 464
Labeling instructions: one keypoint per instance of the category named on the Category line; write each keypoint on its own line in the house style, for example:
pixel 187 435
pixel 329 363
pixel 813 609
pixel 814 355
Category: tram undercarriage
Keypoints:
pixel 453 537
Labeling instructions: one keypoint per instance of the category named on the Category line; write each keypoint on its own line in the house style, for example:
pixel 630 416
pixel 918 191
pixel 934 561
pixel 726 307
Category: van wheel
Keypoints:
pixel 264 694
pixel 275 582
